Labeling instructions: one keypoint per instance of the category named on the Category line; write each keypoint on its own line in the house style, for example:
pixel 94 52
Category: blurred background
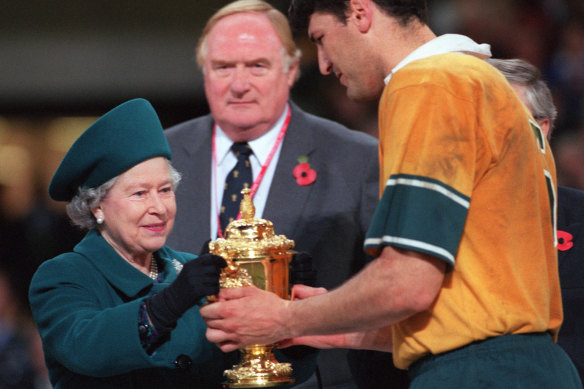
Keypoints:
pixel 63 63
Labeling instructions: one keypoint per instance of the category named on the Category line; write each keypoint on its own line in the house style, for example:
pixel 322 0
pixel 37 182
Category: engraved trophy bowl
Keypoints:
pixel 255 256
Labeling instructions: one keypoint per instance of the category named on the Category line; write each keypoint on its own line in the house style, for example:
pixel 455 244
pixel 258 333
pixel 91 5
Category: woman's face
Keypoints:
pixel 139 210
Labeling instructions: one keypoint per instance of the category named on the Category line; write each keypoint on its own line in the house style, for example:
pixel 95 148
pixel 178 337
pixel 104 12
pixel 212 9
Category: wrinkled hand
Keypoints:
pixel 198 278
pixel 245 316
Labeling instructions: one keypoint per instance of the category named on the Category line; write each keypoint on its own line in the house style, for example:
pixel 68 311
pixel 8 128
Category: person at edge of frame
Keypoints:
pixel 533 91
pixel 121 309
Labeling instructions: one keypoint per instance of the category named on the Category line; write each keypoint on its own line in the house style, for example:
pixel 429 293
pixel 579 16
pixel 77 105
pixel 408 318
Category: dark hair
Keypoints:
pixel 300 11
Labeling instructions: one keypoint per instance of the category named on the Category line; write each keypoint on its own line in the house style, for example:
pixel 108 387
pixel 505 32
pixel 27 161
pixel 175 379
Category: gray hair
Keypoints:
pixel 290 53
pixel 538 94
pixel 86 199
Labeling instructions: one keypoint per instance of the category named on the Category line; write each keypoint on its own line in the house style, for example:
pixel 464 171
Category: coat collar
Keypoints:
pixel 116 270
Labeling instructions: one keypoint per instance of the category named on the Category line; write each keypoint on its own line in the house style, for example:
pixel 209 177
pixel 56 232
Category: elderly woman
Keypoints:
pixel 120 311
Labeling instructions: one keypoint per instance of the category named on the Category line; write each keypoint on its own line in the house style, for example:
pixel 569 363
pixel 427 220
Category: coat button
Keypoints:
pixel 183 362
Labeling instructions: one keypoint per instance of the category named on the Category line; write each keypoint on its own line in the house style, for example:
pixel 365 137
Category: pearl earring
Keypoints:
pixel 99 219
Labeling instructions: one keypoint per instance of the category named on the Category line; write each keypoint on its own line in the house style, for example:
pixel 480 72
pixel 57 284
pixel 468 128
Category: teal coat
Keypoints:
pixel 86 305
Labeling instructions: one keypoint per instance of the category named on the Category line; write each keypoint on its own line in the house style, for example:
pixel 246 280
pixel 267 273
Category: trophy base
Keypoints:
pixel 258 369
pixel 257 384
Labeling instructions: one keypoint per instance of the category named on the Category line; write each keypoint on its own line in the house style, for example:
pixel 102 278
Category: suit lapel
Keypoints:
pixel 286 199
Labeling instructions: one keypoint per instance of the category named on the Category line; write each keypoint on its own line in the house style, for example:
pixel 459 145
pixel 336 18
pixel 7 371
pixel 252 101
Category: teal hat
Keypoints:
pixel 122 138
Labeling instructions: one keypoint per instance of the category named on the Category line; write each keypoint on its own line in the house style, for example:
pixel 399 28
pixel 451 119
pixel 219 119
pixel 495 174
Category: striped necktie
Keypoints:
pixel 238 178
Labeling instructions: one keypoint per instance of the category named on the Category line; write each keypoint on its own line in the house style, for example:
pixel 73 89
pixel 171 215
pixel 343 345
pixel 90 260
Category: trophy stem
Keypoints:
pixel 258 369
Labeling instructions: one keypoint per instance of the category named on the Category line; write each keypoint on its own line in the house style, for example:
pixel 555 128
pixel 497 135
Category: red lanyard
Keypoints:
pixel 260 176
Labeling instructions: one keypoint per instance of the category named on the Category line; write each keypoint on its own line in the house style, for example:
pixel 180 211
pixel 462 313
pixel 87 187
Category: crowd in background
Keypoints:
pixel 547 33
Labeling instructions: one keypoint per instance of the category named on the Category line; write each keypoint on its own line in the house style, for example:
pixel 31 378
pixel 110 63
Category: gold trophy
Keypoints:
pixel 255 256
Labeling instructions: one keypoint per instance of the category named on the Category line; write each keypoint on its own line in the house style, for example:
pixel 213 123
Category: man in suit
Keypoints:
pixel 529 85
pixel 314 179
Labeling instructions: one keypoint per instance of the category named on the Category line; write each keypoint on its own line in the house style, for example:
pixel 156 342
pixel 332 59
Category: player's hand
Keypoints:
pixel 245 316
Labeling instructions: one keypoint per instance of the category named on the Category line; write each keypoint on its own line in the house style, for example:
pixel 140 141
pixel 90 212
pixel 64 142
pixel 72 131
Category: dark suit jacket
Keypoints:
pixel 328 219
pixel 571 267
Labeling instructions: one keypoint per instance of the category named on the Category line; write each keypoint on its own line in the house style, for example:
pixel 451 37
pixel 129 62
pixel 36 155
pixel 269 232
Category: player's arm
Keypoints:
pixel 393 287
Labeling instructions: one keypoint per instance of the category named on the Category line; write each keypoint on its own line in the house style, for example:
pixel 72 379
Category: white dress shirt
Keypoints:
pixel 226 160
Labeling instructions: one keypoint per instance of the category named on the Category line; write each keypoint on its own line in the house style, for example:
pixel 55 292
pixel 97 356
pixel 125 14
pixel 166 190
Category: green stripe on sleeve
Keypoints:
pixel 420 214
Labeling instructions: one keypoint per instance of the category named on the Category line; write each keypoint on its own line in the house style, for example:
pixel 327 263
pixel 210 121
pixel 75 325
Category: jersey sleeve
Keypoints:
pixel 428 161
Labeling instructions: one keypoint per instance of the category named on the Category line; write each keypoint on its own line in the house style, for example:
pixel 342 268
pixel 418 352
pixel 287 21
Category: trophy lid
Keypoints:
pixel 249 237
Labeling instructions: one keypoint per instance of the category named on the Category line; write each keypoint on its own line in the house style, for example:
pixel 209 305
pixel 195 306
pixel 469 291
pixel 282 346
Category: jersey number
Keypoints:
pixel 548 177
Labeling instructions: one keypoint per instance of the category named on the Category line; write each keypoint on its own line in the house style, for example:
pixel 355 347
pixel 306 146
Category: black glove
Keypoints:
pixel 302 270
pixel 198 278
pixel 205 248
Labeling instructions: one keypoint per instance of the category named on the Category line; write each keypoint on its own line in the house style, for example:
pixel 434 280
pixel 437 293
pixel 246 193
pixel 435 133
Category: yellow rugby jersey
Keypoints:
pixel 467 178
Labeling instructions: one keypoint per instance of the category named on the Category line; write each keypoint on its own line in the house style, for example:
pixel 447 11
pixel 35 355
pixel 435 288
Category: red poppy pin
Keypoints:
pixel 303 173
pixel 564 241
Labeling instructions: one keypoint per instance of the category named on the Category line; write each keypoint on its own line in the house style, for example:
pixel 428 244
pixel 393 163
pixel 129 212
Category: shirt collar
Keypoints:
pixel 447 43
pixel 261 146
